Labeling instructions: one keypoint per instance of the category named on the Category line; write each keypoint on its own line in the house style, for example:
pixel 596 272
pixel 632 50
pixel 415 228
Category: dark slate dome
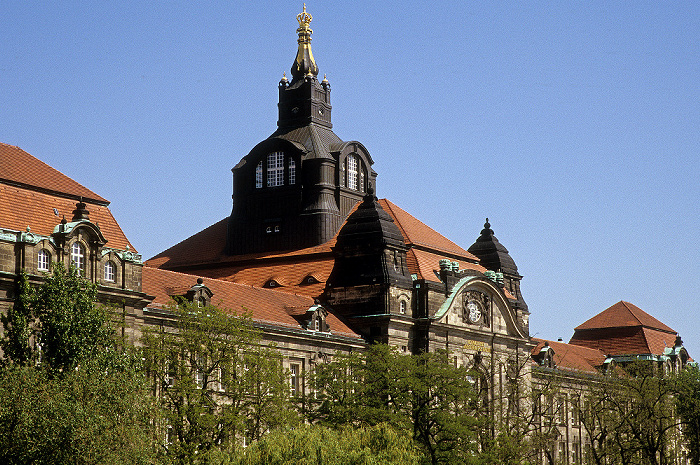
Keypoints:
pixel 492 254
pixel 369 226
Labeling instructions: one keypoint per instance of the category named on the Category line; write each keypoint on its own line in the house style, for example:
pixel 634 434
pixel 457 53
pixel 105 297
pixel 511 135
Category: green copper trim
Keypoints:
pixel 442 311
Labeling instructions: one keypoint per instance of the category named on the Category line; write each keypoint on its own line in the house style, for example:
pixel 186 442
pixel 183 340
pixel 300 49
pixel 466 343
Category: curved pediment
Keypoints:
pixel 477 302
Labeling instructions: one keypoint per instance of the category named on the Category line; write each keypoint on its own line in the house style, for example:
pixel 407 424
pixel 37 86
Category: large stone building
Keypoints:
pixel 320 262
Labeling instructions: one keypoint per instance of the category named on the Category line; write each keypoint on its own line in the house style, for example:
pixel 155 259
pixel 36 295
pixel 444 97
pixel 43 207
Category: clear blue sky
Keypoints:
pixel 574 126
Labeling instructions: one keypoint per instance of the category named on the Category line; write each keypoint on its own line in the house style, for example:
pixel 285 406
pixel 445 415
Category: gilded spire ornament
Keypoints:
pixel 304 64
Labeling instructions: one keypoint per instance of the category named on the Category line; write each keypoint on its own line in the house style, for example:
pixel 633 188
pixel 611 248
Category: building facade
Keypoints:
pixel 323 265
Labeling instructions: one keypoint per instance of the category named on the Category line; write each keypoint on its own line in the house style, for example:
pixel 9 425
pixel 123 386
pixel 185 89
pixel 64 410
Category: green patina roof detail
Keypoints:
pixel 442 311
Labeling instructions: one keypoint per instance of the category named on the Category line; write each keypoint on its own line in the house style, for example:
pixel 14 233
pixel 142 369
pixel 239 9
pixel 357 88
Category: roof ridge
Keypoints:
pixel 389 204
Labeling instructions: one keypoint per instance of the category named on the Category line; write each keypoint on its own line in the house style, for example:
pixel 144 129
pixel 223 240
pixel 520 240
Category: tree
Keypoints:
pixel 315 444
pixel 688 408
pixel 425 394
pixel 215 384
pixel 75 396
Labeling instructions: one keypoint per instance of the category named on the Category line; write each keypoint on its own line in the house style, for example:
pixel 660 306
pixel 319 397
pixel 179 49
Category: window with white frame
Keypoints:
pixel 200 361
pixel 292 171
pixel 352 172
pixel 110 271
pixel 77 257
pixel 43 259
pixel 402 307
pixel 294 373
pixel 259 176
pixel 275 169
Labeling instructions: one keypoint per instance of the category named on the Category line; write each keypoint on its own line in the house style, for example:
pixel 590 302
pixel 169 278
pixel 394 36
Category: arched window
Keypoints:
pixel 352 171
pixel 43 259
pixel 292 171
pixel 77 258
pixel 259 176
pixel 110 271
pixel 275 169
pixel 402 307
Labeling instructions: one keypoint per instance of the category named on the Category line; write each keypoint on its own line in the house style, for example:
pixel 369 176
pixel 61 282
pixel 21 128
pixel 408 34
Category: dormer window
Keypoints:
pixel 110 271
pixel 77 258
pixel 259 176
pixel 352 172
pixel 292 171
pixel 271 171
pixel 43 259
pixel 275 169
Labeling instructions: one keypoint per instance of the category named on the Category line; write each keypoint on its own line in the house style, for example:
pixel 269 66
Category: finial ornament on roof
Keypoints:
pixel 304 64
pixel 304 18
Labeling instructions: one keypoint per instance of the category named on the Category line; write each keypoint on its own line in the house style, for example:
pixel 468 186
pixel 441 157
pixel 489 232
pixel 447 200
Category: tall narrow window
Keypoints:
pixel 362 180
pixel 275 169
pixel 259 176
pixel 110 271
pixel 42 260
pixel 352 171
pixel 294 379
pixel 292 171
pixel 77 258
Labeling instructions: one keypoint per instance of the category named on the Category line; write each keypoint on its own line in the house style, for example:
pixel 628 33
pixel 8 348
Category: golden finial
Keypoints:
pixel 304 18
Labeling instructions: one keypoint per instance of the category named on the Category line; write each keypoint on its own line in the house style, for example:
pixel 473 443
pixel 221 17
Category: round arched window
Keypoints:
pixel 43 259
pixel 110 271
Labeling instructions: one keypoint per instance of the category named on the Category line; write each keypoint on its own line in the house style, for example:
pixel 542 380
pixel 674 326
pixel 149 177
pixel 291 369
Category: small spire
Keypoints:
pixel 304 64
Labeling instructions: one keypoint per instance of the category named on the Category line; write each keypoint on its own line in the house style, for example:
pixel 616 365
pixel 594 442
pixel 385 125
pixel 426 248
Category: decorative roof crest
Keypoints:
pixel 304 18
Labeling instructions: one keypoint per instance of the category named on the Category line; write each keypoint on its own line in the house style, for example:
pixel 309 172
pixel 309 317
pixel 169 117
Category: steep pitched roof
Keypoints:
pixel 19 168
pixel 624 329
pixel 204 253
pixel 623 314
pixel 571 357
pixel 35 195
pixel 421 236
pixel 265 305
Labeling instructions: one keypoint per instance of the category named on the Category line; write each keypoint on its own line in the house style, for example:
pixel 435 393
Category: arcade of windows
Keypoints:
pixel 275 169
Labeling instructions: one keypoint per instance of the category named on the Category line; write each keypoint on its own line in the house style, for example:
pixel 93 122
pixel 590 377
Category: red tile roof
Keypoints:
pixel 419 235
pixel 266 305
pixel 21 207
pixel 204 253
pixel 623 314
pixel 624 329
pixel 17 167
pixel 572 357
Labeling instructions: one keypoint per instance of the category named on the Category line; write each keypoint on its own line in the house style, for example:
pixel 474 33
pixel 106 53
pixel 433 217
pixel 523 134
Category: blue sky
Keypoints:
pixel 574 126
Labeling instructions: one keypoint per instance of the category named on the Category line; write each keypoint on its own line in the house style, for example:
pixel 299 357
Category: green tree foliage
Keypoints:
pixel 315 444
pixel 688 408
pixel 630 416
pixel 426 395
pixel 214 382
pixel 74 397
pixel 17 327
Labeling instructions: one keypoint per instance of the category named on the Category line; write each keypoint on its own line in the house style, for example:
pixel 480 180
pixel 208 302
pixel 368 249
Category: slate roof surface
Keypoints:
pixel 18 167
pixel 266 305
pixel 572 357
pixel 204 253
pixel 624 329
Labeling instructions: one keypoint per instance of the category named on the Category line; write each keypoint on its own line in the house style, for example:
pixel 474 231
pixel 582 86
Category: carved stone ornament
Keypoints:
pixel 474 308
